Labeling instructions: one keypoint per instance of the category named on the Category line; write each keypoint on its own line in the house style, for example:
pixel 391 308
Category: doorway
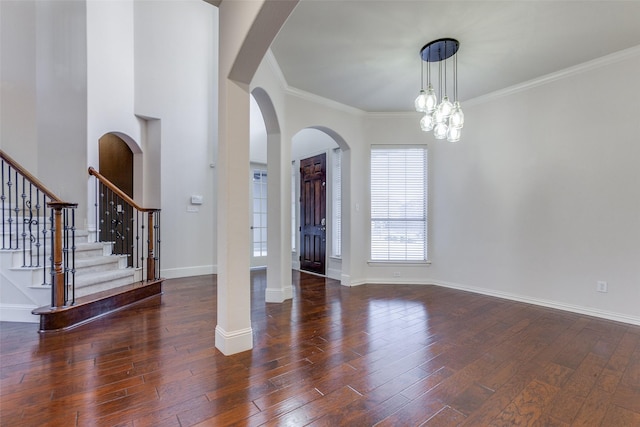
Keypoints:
pixel 313 221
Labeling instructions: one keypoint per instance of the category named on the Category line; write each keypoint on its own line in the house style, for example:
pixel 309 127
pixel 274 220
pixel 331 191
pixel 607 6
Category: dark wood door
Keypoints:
pixel 313 222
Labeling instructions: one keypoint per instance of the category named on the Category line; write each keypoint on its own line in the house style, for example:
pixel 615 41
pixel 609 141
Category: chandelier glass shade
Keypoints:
pixel 446 118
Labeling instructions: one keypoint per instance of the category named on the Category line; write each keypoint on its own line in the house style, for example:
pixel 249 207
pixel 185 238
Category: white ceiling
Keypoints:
pixel 365 53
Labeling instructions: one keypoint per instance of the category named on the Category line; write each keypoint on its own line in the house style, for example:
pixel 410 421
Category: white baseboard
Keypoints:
pixel 345 280
pixel 18 313
pixel 618 317
pixel 200 270
pixel 334 274
pixel 278 295
pixel 233 342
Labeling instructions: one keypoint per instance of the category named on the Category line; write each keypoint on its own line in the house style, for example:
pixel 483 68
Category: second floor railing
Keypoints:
pixel 132 230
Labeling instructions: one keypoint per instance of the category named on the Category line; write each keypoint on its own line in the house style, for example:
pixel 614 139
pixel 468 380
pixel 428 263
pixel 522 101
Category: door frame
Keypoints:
pixel 313 234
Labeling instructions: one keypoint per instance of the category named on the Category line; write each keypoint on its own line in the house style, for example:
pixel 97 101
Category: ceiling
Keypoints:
pixel 365 53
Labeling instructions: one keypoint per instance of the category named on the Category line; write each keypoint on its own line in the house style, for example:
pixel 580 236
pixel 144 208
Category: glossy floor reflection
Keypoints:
pixel 373 354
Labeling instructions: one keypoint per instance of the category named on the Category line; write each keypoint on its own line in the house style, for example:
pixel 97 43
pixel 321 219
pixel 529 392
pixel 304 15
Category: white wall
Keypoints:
pixel 44 74
pixel 110 80
pixel 18 100
pixel 541 197
pixel 176 45
pixel 538 202
pixel 257 134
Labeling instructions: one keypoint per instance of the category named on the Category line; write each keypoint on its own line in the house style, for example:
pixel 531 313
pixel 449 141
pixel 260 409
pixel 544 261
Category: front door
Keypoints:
pixel 313 222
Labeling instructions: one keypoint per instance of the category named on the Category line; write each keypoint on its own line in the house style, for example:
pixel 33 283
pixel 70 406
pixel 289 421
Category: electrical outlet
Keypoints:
pixel 602 286
pixel 396 274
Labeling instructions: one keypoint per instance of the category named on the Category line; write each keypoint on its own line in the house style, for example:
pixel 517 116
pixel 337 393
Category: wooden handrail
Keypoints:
pixel 119 192
pixel 35 181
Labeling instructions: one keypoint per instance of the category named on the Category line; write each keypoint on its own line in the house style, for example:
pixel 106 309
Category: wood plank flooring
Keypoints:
pixel 369 355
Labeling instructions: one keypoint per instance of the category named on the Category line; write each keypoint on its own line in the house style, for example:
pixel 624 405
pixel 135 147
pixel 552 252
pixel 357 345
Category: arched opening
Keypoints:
pixel 264 133
pixel 259 185
pixel 116 163
pixel 277 207
pixel 318 174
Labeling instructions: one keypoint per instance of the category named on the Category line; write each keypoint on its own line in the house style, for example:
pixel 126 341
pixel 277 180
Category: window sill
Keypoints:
pixel 398 263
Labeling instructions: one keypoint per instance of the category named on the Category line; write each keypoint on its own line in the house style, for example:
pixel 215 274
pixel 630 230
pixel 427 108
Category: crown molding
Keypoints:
pixel 307 96
pixel 558 75
pixel 275 68
pixel 521 87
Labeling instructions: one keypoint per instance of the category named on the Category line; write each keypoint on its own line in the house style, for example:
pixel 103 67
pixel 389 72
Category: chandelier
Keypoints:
pixel 445 118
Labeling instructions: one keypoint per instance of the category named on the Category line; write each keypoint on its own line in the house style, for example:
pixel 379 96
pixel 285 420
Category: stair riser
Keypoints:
pixel 16 236
pixel 88 290
pixel 86 270
pixel 18 259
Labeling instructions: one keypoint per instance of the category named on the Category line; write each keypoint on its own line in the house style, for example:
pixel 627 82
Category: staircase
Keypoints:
pixel 23 289
pixel 57 275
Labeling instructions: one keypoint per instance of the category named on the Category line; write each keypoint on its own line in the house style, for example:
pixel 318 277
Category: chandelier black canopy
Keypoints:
pixel 445 118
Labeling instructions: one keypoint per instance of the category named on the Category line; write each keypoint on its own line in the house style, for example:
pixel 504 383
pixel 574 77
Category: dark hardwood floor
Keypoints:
pixel 373 354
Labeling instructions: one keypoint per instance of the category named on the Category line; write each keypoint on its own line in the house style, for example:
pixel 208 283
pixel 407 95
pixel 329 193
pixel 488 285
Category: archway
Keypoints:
pixel 322 254
pixel 116 163
pixel 278 213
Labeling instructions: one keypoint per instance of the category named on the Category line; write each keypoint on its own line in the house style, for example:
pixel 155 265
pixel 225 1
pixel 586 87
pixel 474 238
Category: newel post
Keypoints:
pixel 151 262
pixel 57 257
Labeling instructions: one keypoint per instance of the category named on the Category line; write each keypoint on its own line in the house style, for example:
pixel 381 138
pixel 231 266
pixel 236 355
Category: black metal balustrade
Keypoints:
pixel 29 215
pixel 63 236
pixel 131 230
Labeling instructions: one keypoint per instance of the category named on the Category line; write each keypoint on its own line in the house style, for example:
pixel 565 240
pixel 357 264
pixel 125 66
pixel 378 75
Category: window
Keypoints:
pixel 336 207
pixel 293 206
pixel 399 203
pixel 259 213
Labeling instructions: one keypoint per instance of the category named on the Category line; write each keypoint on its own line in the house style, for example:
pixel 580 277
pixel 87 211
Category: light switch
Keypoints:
pixel 196 200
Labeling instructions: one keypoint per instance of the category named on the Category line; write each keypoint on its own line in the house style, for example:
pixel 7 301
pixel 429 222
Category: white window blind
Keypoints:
pixel 336 240
pixel 399 203
pixel 259 213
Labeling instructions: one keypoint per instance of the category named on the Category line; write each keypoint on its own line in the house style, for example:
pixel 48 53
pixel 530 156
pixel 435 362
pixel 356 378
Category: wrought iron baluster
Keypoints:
pixel 52 229
pixel 3 198
pixel 15 211
pixel 38 225
pixel 157 234
pixel 23 196
pixel 45 218
pixel 137 239
pixel 145 239
pixel 73 256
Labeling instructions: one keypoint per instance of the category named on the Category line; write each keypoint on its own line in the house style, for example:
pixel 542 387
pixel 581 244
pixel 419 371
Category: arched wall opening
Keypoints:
pixel 111 155
pixel 264 133
pixel 321 142
pixel 269 153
